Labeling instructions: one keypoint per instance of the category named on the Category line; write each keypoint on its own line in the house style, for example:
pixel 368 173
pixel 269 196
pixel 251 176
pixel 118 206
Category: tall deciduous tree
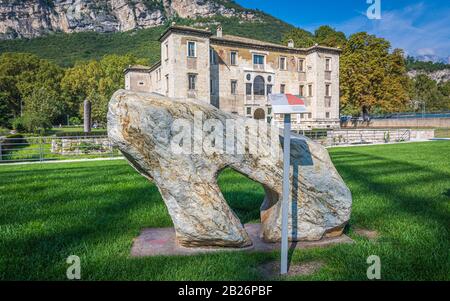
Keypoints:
pixel 372 78
pixel 301 38
pixel 97 81
pixel 328 36
pixel 425 91
pixel 42 107
pixel 20 75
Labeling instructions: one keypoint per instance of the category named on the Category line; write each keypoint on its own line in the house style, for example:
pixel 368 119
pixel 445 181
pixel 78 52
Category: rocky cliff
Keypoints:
pixel 439 75
pixel 32 18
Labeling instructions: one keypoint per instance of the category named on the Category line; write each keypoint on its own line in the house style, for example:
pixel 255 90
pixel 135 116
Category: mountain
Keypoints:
pixel 433 59
pixel 33 18
pixel 95 39
pixel 438 75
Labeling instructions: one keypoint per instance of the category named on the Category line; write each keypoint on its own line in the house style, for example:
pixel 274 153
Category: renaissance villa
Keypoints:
pixel 237 74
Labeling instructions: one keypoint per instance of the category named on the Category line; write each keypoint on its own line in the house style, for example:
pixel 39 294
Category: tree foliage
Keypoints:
pixel 45 94
pixel 21 75
pixel 372 79
pixel 427 92
pixel 96 81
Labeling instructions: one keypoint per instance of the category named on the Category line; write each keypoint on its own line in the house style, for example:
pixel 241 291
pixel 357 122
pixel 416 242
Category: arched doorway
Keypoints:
pixel 259 114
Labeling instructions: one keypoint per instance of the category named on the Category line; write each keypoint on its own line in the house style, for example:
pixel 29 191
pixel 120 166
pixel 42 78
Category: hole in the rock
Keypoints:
pixel 242 194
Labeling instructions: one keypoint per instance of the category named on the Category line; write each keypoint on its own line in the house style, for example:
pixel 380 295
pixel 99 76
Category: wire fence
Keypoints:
pixel 22 149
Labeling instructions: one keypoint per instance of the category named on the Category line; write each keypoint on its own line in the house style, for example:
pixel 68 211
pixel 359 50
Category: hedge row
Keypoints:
pixel 81 134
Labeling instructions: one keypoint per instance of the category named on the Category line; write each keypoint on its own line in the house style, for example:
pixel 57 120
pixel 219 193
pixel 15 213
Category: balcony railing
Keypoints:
pixel 258 66
pixel 327 75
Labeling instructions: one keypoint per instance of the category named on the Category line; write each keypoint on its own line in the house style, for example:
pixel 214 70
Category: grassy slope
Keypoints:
pixel 66 49
pixel 95 209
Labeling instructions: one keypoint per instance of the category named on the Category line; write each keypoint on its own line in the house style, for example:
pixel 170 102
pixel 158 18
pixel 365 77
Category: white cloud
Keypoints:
pixel 418 29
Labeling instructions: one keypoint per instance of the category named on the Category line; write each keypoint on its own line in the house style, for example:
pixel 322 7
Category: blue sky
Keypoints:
pixel 419 27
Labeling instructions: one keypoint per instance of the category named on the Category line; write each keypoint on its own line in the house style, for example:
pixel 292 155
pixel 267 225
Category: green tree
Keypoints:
pixel 372 78
pixel 328 36
pixel 427 91
pixel 96 81
pixel 301 38
pixel 43 105
pixel 20 75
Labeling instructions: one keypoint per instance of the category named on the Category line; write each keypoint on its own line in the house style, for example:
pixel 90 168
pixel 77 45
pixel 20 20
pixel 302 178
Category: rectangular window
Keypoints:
pixel 269 111
pixel 327 64
pixel 249 111
pixel 192 81
pixel 234 87
pixel 309 115
pixel 269 89
pixel 248 89
pixel 258 59
pixel 282 88
pixel 301 65
pixel 328 90
pixel 283 63
pixel 301 90
pixel 191 49
pixel 310 90
pixel 167 84
pixel 166 46
pixel 213 56
pixel 327 114
pixel 233 58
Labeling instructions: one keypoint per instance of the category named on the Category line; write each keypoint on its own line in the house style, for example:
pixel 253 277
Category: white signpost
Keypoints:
pixel 286 104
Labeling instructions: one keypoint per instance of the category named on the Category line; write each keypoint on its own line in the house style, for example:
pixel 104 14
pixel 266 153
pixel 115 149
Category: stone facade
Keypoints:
pixel 236 74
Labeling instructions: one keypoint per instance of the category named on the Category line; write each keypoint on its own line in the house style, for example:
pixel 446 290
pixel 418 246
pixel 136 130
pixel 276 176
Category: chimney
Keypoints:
pixel 291 43
pixel 219 31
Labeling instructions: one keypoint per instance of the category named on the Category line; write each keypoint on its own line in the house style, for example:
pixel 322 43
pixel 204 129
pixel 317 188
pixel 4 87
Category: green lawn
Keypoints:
pixel 95 209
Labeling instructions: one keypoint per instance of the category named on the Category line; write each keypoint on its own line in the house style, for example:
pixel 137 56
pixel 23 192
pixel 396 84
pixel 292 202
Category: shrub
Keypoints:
pixel 82 134
pixel 74 121
pixel 18 124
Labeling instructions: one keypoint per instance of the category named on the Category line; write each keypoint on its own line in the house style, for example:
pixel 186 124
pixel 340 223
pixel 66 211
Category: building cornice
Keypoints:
pixel 142 69
pixel 273 47
pixel 185 30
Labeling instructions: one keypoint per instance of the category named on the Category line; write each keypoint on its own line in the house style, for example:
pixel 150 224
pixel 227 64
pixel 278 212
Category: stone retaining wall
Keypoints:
pixel 78 146
pixel 400 123
pixel 371 136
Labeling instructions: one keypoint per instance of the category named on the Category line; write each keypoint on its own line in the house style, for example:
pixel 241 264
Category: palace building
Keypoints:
pixel 236 74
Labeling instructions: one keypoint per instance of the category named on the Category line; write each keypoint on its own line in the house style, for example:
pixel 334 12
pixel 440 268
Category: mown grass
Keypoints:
pixel 94 210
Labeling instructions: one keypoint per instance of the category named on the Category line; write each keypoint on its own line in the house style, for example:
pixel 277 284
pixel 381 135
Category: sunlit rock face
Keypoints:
pixel 146 129
pixel 32 18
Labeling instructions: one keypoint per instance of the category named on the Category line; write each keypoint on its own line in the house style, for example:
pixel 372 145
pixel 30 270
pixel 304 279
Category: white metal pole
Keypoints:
pixel 286 193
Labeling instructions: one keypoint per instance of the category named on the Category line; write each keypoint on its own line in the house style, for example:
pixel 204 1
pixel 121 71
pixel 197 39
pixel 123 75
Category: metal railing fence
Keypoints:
pixel 22 149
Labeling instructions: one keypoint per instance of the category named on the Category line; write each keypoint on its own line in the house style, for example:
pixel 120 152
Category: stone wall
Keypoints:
pixel 370 136
pixel 400 123
pixel 79 146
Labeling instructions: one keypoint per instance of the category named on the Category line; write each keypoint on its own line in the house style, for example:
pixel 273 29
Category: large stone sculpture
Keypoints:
pixel 144 127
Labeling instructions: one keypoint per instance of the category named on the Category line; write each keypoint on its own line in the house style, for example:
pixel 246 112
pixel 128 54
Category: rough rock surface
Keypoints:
pixel 438 75
pixel 32 18
pixel 142 126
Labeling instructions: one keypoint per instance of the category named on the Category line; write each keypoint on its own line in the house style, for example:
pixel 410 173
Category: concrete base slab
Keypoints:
pixel 161 241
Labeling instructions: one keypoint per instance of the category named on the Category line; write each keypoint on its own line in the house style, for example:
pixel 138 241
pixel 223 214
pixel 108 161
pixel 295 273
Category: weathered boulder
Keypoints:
pixel 146 128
